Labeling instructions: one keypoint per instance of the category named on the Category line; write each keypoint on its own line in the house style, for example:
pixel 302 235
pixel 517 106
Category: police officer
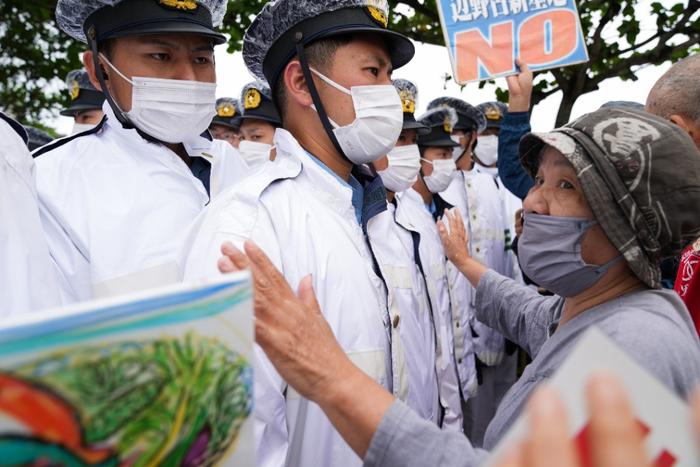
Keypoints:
pixel 415 210
pixel 117 198
pixel 85 104
pixel 329 66
pixel 259 121
pixel 226 124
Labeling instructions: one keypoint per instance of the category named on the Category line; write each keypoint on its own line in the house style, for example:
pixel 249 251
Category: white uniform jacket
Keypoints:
pixel 303 218
pixel 488 246
pixel 414 215
pixel 461 293
pixel 27 275
pixel 115 206
pixel 413 342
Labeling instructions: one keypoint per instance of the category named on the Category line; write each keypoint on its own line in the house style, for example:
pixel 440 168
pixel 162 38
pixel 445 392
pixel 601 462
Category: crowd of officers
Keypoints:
pixel 314 161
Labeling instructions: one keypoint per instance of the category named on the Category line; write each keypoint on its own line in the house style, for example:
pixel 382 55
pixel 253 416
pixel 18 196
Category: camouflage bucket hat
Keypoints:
pixel 641 177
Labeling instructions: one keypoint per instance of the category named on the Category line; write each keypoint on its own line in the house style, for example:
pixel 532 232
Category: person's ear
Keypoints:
pixel 296 88
pixel 680 121
pixel 90 68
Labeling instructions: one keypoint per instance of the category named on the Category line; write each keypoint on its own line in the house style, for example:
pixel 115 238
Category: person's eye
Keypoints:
pixel 203 60
pixel 565 185
pixel 161 57
pixel 374 71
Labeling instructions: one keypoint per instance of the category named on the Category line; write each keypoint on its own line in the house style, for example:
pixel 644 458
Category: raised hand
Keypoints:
pixel 520 89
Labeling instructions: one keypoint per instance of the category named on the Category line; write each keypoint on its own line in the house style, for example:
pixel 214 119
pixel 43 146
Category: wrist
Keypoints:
pixel 519 106
pixel 340 384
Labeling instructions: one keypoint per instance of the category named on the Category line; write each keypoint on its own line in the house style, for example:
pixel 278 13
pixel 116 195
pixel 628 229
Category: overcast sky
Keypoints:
pixel 431 63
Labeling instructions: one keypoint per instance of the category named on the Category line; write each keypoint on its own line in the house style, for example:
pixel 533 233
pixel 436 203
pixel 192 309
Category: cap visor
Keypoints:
pixel 401 49
pixel 532 144
pixel 172 28
pixel 422 129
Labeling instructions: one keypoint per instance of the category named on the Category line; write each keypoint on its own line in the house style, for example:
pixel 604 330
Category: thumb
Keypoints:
pixel 307 295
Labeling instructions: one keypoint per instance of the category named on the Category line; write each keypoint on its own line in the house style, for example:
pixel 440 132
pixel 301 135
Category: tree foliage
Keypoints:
pixel 35 55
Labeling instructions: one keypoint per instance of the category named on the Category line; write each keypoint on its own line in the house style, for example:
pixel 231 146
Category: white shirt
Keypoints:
pixel 115 206
pixel 303 218
pixel 27 275
pixel 413 213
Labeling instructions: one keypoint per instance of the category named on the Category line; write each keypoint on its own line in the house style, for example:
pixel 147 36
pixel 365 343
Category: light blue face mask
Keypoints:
pixel 549 251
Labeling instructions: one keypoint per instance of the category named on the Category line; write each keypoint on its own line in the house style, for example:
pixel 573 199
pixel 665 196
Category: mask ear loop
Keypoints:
pixel 315 97
pixel 121 116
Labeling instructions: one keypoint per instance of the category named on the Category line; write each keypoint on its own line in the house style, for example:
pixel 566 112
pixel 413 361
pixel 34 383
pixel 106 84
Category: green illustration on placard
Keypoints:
pixel 164 402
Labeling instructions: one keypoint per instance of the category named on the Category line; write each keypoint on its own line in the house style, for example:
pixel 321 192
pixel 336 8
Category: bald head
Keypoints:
pixel 676 96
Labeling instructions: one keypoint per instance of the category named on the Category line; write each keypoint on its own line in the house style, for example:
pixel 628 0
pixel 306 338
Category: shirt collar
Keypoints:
pixel 352 183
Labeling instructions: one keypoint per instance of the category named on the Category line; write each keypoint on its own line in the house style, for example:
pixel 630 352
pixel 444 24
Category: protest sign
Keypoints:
pixel 160 378
pixel 484 37
pixel 664 418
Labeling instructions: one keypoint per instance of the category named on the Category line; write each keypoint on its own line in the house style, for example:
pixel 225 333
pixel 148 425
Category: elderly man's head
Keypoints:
pixel 676 96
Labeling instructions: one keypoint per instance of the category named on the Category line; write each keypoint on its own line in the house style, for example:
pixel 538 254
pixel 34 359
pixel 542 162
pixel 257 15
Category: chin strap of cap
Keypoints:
pixel 320 110
pixel 121 116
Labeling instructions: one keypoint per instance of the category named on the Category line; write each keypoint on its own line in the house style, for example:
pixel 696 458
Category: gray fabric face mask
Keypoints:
pixel 549 251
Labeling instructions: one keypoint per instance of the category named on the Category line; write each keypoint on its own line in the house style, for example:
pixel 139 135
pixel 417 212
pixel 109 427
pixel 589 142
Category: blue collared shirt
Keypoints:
pixel 358 192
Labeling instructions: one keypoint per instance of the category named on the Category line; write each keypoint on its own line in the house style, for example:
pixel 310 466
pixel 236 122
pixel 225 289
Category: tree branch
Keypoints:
pixel 679 28
pixel 422 9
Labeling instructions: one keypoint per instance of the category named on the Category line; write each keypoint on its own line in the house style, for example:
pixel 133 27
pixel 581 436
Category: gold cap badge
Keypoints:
pixel 447 125
pixel 379 16
pixel 492 113
pixel 188 5
pixel 74 90
pixel 252 99
pixel 407 102
pixel 226 110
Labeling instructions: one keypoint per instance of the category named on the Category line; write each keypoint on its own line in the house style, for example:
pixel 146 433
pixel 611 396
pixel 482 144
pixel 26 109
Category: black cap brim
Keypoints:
pixel 232 123
pixel 172 28
pixel 265 118
pixel 410 123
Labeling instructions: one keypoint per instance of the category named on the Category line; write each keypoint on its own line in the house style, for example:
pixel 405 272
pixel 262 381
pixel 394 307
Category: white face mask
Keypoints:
pixel 255 154
pixel 457 151
pixel 170 110
pixel 80 127
pixel 440 179
pixel 404 166
pixel 378 121
pixel 487 149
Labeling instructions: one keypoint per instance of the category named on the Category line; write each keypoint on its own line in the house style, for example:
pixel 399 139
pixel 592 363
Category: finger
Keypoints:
pixel 615 435
pixel 237 257
pixel 225 265
pixel 549 443
pixel 524 68
pixel 307 295
pixel 267 271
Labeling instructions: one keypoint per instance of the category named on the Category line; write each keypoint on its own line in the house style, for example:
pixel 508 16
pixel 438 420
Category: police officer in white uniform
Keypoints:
pixel 405 175
pixel 116 199
pixel 85 102
pixel 259 121
pixel 495 357
pixel 27 275
pixel 329 66
pixel 396 246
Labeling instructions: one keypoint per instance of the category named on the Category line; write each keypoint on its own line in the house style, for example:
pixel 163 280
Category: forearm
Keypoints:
pixel 515 125
pixel 355 405
pixel 472 270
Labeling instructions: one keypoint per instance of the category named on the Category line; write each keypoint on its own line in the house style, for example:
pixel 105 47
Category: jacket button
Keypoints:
pixel 396 320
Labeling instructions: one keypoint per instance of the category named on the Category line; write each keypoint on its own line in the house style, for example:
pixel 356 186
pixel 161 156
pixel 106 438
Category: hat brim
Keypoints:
pixel 401 49
pixel 410 123
pixel 264 118
pixel 532 144
pixel 171 27
pixel 234 125
pixel 74 109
